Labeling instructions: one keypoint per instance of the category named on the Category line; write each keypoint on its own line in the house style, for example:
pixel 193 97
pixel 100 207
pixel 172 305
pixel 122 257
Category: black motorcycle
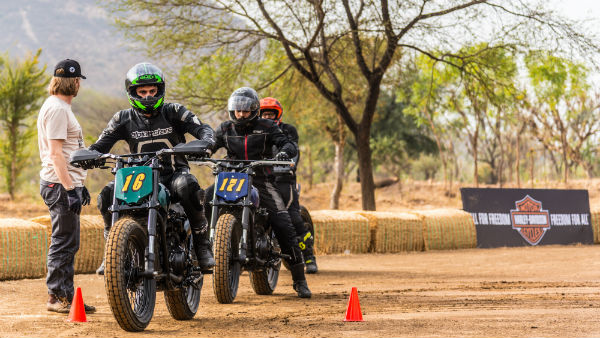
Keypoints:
pixel 242 237
pixel 149 247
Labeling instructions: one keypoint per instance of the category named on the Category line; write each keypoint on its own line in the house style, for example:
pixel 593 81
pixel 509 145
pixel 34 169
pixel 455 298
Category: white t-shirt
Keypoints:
pixel 56 121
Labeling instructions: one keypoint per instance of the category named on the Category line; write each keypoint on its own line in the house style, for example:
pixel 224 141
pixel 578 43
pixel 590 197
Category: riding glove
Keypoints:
pixel 74 201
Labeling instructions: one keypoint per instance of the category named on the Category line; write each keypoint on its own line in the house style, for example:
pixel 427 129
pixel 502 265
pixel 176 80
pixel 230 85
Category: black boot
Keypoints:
pixel 300 285
pixel 311 264
pixel 306 244
pixel 203 251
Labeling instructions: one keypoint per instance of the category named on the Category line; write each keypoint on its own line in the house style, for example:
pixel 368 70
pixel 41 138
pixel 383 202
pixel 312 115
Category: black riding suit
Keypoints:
pixel 165 130
pixel 255 142
pixel 286 183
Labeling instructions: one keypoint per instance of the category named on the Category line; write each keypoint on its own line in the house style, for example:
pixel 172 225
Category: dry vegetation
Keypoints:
pixel 397 197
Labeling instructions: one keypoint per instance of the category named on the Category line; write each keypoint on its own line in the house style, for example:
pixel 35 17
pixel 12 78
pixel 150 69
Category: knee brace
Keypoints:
pixel 186 189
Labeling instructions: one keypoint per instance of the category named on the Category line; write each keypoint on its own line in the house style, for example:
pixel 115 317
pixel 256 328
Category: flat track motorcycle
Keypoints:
pixel 242 237
pixel 149 247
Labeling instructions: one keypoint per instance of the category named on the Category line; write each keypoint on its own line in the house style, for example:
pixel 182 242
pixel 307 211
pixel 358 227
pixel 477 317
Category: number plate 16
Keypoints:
pixel 232 186
pixel 133 184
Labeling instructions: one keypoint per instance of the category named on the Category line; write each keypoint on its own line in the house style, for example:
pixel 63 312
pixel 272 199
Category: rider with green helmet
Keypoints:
pixel 148 126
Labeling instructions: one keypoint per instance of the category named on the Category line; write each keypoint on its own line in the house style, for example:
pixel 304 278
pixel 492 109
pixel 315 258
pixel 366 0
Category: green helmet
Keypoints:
pixel 144 74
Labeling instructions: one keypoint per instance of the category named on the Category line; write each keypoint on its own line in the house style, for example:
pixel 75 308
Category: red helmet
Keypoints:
pixel 271 104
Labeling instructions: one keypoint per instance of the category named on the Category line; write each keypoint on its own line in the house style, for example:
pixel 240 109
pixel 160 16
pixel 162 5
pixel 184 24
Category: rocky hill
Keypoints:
pixel 77 29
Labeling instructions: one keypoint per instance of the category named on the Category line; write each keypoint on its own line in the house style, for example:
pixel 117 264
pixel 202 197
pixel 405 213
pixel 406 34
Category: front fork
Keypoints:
pixel 152 220
pixel 242 248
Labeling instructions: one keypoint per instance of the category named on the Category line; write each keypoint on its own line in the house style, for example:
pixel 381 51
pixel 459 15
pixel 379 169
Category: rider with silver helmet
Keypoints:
pixel 150 125
pixel 248 137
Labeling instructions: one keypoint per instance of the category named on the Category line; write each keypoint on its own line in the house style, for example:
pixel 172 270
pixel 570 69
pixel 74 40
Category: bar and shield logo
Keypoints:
pixel 530 220
pixel 530 217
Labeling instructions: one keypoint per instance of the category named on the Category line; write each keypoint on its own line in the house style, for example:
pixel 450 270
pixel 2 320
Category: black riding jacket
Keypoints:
pixel 253 142
pixel 165 130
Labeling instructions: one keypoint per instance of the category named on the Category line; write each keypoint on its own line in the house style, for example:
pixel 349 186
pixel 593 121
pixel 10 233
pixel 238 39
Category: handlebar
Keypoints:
pixel 241 164
pixel 91 159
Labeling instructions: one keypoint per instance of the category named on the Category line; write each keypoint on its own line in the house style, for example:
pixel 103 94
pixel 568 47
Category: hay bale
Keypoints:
pixel 337 231
pixel 596 224
pixel 23 248
pixel 448 229
pixel 91 245
pixel 393 232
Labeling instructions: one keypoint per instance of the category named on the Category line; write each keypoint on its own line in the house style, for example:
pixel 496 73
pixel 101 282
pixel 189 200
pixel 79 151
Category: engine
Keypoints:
pixel 178 260
pixel 263 247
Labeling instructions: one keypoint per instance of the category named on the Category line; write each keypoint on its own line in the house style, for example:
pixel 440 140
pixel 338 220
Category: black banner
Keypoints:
pixel 523 217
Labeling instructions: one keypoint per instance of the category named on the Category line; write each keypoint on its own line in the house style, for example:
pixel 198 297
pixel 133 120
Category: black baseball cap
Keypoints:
pixel 70 68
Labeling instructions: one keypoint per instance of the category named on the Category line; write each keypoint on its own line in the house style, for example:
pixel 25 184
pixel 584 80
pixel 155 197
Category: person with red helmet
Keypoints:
pixel 271 108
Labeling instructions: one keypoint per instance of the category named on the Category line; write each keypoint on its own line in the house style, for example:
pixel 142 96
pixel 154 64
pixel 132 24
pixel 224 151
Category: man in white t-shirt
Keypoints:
pixel 61 184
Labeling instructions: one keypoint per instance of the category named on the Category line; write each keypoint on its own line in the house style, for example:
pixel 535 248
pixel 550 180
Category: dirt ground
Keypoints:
pixel 550 291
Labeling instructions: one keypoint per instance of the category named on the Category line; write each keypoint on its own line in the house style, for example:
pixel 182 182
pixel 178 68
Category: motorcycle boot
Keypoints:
pixel 100 270
pixel 306 244
pixel 300 285
pixel 203 250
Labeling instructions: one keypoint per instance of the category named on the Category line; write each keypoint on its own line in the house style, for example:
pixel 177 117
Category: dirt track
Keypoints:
pixel 508 292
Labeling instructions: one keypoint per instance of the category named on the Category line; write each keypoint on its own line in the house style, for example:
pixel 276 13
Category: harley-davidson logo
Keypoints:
pixel 530 220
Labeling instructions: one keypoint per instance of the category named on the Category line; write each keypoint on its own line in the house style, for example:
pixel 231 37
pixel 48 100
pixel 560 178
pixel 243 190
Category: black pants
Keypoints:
pixel 184 189
pixel 64 240
pixel 279 218
pixel 290 195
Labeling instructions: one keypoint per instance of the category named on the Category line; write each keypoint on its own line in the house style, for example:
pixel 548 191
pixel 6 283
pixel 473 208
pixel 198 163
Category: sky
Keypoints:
pixel 577 9
pixel 588 10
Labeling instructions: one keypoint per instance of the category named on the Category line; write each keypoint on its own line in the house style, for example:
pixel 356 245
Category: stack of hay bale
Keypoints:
pixel 340 231
pixel 24 244
pixel 91 244
pixel 448 229
pixel 595 213
pixel 393 232
pixel 23 248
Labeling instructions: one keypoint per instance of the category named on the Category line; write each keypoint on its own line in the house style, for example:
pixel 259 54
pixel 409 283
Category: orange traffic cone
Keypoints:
pixel 77 312
pixel 353 313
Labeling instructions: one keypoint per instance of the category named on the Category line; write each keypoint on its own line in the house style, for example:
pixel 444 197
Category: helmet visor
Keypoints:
pixel 241 103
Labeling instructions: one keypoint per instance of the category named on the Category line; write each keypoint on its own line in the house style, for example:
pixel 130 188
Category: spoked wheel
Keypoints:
pixel 264 281
pixel 130 296
pixel 183 303
pixel 226 273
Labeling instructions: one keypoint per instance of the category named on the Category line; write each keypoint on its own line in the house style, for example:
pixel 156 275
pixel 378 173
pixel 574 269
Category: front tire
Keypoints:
pixel 183 303
pixel 131 297
pixel 226 273
pixel 264 282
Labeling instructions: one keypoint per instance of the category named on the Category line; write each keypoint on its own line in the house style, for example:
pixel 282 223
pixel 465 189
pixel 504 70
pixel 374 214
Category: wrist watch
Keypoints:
pixel 69 188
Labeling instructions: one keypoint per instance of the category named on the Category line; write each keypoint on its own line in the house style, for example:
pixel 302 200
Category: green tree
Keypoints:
pixel 378 33
pixel 21 91
pixel 563 115
pixel 426 104
pixel 397 136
